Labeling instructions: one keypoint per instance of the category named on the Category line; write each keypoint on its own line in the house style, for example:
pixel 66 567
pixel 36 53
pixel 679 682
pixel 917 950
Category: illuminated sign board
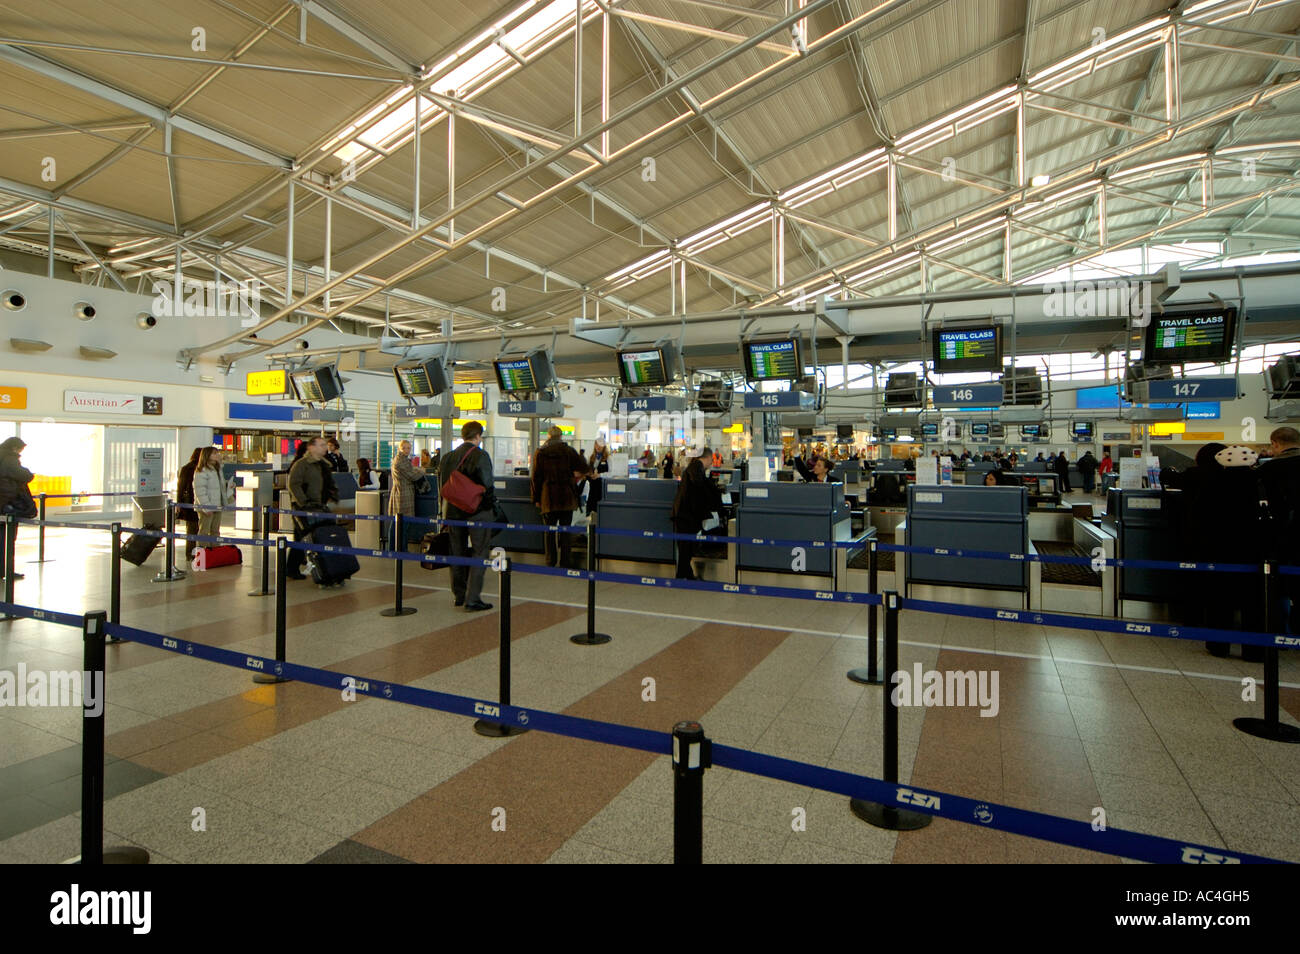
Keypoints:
pixel 266 383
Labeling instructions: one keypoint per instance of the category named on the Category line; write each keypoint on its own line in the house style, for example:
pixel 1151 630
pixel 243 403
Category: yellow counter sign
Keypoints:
pixel 266 382
pixel 469 400
pixel 13 399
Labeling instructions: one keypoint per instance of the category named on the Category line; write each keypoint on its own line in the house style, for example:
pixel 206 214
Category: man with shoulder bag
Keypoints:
pixel 466 491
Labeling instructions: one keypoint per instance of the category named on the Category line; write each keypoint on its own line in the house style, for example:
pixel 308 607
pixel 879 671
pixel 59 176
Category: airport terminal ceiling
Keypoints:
pixel 671 159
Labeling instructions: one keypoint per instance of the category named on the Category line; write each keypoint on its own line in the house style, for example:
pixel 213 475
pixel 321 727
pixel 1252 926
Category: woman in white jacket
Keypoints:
pixel 211 492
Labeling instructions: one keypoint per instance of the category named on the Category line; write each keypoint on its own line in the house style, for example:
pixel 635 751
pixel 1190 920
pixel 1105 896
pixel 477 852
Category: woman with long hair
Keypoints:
pixel 212 493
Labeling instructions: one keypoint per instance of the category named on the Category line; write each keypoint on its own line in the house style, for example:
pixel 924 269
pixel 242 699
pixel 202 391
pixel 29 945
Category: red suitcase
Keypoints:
pixel 208 558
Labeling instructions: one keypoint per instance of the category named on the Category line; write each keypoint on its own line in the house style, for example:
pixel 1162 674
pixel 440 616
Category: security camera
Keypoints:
pixel 304 344
pixel 145 320
pixel 14 300
pixel 84 310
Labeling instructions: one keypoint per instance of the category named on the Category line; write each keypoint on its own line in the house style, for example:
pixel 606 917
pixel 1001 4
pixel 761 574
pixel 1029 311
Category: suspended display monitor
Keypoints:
pixel 1203 334
pixel 844 432
pixel 902 389
pixel 997 431
pixel 979 429
pixel 805 433
pixel 1034 432
pixel 1022 386
pixel 645 366
pixel 772 359
pixel 1082 430
pixel 427 378
pixel 967 349
pixel 1284 378
pixel 317 385
pixel 714 397
pixel 930 430
pixel 521 373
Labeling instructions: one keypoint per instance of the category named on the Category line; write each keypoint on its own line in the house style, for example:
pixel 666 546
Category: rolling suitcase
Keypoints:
pixel 208 558
pixel 138 547
pixel 331 569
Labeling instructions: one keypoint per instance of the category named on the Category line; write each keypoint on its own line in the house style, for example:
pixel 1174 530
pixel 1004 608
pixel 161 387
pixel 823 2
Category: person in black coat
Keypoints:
pixel 697 499
pixel 1088 471
pixel 15 495
pixel 1279 479
pixel 185 495
pixel 1061 466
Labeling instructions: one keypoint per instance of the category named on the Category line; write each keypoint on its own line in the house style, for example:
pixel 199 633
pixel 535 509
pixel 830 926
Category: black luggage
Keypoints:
pixel 138 547
pixel 437 543
pixel 331 569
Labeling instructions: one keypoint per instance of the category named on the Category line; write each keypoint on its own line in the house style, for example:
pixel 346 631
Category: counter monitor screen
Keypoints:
pixel 1031 430
pixel 979 430
pixel 771 360
pixel 965 350
pixel 318 386
pixel 997 431
pixel 1083 429
pixel 1202 335
pixel 930 429
pixel 515 375
pixel 642 368
pixel 422 378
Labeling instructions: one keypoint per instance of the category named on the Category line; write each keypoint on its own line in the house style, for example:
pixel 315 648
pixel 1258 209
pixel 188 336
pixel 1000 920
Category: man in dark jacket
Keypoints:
pixel 1280 479
pixel 185 495
pixel 1088 471
pixel 337 461
pixel 15 496
pixel 557 468
pixel 311 487
pixel 467 581
pixel 1061 466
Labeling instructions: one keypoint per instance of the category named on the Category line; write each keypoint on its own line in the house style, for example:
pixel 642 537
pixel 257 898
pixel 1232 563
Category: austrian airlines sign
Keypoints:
pixel 98 402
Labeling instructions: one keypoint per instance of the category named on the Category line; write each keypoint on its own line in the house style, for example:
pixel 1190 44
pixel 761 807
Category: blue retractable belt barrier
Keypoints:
pixel 971 811
pixel 48 616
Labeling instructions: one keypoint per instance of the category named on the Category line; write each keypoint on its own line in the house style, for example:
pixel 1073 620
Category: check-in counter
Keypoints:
pixel 783 511
pixel 629 503
pixel 516 498
pixel 848 472
pixel 968 518
pixel 256 488
pixel 369 534
pixel 1145 524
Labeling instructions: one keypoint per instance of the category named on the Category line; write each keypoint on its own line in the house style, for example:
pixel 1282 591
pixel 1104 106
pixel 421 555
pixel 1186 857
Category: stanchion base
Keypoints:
pixel 591 639
pixel 864 676
pixel 258 592
pixel 170 577
pixel 267 678
pixel 1263 729
pixel 394 611
pixel 123 855
pixel 495 730
pixel 113 640
pixel 888 816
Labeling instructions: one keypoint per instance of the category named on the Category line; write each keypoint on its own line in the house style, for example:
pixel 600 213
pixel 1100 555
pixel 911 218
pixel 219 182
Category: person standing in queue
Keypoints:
pixel 401 487
pixel 667 464
pixel 311 487
pixel 556 470
pixel 697 499
pixel 1105 468
pixel 336 460
pixel 1088 471
pixel 185 495
pixel 15 495
pixel 1061 466
pixel 1279 479
pixel 212 493
pixel 472 461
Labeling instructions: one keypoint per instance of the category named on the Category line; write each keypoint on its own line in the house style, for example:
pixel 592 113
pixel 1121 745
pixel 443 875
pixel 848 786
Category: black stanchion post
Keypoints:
pixel 115 578
pixel 498 730
pixel 870 676
pixel 878 814
pixel 93 699
pixel 691 756
pixel 281 613
pixel 266 554
pixel 1269 727
pixel 40 533
pixel 169 573
pixel 11 555
pixel 399 546
pixel 590 637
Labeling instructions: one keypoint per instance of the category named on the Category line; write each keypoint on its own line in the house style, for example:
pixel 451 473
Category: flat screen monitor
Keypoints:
pixel 1082 429
pixel 805 433
pixel 930 429
pixel 903 390
pixel 519 373
pixel 997 431
pixel 1033 430
pixel 1204 334
pixel 318 385
pixel 643 367
pixel 979 429
pixel 427 378
pixel 967 349
pixel 844 431
pixel 773 359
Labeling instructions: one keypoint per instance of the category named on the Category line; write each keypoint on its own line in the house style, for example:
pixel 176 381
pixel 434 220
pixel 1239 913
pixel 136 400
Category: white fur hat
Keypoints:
pixel 1236 456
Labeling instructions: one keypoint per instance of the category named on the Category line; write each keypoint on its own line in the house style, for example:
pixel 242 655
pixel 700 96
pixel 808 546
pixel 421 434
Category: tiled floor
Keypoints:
pixel 205 766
